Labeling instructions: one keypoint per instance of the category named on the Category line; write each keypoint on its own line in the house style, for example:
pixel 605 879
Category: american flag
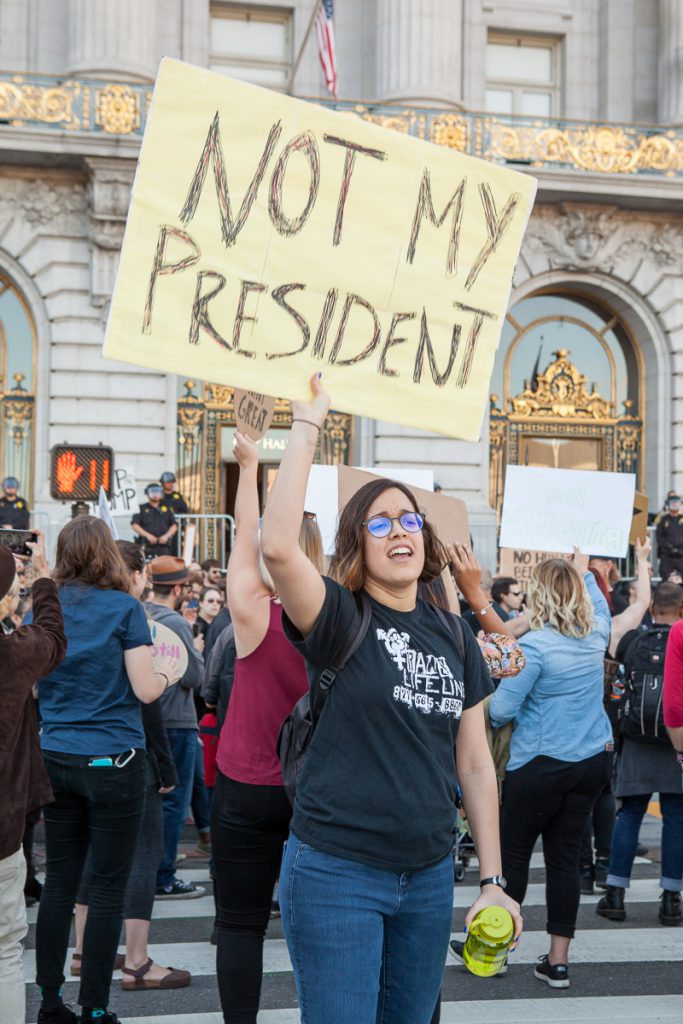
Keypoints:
pixel 324 26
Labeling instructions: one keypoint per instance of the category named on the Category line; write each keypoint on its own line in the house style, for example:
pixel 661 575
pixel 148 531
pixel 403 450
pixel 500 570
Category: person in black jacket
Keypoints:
pixel 139 970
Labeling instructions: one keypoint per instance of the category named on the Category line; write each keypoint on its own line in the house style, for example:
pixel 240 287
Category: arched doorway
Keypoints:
pixel 17 386
pixel 568 389
pixel 207 471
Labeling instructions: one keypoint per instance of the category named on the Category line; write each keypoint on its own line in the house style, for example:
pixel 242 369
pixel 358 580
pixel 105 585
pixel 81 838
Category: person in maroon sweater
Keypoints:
pixel 673 688
pixel 26 655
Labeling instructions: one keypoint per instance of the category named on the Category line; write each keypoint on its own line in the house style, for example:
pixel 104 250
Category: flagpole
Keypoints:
pixel 300 54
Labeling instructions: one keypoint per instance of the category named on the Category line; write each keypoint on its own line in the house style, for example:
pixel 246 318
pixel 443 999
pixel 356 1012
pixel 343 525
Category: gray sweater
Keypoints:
pixel 177 702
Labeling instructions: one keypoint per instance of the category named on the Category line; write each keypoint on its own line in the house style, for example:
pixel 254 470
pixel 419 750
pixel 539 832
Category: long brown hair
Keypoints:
pixel 347 564
pixel 86 553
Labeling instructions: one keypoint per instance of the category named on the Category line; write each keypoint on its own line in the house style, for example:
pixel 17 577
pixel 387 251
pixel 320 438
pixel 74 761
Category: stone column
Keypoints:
pixel 419 51
pixel 670 62
pixel 112 39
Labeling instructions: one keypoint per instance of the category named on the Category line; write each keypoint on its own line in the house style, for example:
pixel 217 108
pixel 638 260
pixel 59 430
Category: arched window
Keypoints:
pixel 567 390
pixel 17 386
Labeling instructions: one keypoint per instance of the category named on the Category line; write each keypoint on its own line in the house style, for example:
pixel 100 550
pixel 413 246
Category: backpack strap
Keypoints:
pixel 350 644
pixel 453 624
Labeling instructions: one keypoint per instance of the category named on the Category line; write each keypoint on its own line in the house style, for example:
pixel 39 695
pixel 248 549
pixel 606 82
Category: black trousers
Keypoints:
pixel 669 563
pixel 552 799
pixel 249 825
pixel 97 809
pixel 599 826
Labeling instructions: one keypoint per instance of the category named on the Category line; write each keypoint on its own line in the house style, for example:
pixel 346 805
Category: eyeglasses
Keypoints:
pixel 515 593
pixel 380 526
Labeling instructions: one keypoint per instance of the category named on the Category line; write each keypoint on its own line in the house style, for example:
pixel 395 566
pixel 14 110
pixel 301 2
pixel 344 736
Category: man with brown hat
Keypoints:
pixel 170 581
pixel 26 655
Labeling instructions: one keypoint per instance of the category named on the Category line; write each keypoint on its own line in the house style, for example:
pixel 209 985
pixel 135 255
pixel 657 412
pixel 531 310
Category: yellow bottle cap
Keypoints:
pixel 495 924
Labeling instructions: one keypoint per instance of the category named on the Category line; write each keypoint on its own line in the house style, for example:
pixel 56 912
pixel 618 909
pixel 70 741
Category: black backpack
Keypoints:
pixel 641 715
pixel 297 729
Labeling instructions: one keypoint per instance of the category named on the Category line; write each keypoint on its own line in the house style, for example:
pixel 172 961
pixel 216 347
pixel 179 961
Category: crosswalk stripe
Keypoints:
pixel 643 890
pixel 583 1009
pixel 625 946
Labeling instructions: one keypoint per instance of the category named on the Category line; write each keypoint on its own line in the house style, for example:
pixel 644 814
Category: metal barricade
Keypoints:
pixel 214 538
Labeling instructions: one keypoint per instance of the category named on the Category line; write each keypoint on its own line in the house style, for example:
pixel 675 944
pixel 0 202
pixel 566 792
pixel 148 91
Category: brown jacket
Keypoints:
pixel 25 657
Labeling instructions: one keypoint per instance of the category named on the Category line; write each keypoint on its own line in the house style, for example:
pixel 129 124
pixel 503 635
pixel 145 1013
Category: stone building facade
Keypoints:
pixel 560 89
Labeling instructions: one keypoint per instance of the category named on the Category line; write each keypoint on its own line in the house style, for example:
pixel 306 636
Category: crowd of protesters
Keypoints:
pixel 117 734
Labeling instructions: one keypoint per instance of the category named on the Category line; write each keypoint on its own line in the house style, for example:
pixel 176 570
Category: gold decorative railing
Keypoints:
pixel 120 109
pixel 74 105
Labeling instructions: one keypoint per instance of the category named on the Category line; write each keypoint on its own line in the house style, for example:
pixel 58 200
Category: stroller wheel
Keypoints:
pixel 459 872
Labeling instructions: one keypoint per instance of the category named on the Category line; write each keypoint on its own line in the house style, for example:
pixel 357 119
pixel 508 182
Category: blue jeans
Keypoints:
pixel 625 840
pixel 177 803
pixel 367 946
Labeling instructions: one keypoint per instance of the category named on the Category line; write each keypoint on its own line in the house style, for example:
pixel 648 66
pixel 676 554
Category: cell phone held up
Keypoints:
pixel 16 540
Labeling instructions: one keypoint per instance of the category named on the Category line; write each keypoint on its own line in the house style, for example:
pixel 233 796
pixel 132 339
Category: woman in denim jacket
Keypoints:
pixel 560 752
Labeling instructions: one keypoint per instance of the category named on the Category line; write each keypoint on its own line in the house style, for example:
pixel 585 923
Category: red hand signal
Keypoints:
pixel 68 472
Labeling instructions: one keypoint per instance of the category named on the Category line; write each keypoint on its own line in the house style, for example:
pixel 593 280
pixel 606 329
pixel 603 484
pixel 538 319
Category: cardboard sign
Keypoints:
pixel 521 564
pixel 269 238
pixel 322 493
pixel 253 413
pixel 168 652
pixel 448 516
pixel 553 509
pixel 641 506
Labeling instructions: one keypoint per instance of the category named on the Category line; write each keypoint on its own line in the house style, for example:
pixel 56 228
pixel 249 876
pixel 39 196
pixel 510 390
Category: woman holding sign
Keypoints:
pixel 250 811
pixel 366 886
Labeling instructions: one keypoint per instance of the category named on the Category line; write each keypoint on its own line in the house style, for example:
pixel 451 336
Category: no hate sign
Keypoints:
pixel 269 238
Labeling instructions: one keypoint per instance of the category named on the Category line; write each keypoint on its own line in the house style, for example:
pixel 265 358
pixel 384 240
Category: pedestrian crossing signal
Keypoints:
pixel 78 471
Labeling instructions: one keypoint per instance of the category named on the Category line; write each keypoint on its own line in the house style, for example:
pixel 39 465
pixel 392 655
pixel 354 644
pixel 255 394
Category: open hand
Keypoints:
pixel 465 567
pixel 245 450
pixel 316 409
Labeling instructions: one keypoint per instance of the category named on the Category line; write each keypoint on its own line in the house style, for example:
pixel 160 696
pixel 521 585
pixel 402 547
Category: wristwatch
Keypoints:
pixel 498 880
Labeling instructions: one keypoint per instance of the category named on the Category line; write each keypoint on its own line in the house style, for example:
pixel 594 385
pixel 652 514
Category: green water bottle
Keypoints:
pixel 488 942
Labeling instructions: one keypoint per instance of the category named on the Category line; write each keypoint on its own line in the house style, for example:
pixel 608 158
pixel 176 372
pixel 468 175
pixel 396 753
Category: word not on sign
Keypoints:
pixel 269 238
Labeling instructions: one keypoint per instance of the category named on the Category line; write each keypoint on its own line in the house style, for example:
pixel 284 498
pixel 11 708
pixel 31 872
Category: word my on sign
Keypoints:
pixel 270 238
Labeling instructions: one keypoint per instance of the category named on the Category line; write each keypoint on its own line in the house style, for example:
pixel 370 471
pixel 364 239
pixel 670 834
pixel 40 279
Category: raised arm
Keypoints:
pixel 467 572
pixel 632 616
pixel 298 583
pixel 248 596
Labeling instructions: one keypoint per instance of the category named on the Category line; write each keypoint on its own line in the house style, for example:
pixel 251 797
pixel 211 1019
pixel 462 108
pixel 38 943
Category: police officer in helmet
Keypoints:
pixel 155 523
pixel 14 511
pixel 670 538
pixel 172 497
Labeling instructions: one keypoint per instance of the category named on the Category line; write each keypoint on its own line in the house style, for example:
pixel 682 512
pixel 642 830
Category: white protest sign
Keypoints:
pixel 322 493
pixel 553 509
pixel 124 496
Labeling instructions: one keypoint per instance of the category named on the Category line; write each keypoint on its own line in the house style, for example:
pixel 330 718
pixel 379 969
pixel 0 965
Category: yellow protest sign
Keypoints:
pixel 269 238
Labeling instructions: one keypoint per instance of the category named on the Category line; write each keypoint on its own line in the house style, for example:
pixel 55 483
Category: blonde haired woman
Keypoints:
pixel 560 752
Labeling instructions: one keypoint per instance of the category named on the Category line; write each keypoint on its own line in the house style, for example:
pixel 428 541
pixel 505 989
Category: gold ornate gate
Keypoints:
pixel 556 421
pixel 200 419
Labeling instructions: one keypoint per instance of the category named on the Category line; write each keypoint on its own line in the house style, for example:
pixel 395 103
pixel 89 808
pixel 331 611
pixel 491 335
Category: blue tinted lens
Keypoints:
pixel 379 526
pixel 412 522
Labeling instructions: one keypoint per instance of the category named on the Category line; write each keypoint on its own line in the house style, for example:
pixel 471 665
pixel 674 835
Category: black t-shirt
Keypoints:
pixel 378 782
